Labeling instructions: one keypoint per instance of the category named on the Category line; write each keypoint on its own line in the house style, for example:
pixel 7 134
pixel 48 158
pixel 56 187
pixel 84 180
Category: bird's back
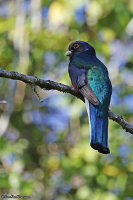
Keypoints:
pixel 97 75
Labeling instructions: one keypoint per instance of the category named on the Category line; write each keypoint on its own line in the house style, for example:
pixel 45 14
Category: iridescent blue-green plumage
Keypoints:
pixel 97 75
pixel 90 76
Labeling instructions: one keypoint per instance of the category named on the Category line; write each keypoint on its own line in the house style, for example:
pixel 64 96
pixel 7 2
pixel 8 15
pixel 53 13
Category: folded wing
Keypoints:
pixel 85 89
pixel 88 93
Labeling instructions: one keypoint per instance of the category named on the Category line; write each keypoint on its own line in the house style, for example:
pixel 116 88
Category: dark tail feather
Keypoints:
pixel 98 128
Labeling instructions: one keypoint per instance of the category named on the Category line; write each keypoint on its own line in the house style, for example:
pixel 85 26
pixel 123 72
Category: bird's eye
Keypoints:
pixel 75 46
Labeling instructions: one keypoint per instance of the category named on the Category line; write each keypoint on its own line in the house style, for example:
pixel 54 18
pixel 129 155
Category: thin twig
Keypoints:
pixel 34 89
pixel 51 85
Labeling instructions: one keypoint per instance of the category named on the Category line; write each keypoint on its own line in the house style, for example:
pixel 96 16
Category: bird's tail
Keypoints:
pixel 98 123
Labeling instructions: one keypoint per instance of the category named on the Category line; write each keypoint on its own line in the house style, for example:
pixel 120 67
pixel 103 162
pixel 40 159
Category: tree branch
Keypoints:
pixel 51 85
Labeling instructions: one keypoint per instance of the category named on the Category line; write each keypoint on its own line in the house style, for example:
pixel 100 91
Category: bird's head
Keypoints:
pixel 79 47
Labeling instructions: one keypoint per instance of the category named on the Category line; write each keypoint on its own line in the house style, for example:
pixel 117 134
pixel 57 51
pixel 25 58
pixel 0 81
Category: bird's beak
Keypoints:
pixel 68 53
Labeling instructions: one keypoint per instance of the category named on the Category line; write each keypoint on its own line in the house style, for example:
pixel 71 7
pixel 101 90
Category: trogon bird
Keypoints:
pixel 90 77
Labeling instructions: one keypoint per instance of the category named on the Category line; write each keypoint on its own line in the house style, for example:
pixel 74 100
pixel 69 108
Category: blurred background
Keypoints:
pixel 44 147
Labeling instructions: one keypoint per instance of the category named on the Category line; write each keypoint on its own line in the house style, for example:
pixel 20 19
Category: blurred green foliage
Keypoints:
pixel 44 147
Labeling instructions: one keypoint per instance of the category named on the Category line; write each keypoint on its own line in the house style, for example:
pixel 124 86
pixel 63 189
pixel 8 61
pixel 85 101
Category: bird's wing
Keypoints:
pixel 80 81
pixel 88 93
pixel 85 89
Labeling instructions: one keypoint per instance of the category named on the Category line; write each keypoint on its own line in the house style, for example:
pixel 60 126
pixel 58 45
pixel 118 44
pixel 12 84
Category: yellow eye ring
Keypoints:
pixel 75 46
